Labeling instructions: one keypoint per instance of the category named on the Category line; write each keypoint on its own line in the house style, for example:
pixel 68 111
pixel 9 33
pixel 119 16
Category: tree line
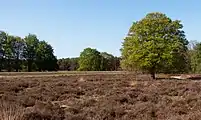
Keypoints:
pixel 91 60
pixel 154 44
pixel 25 54
pixel 31 54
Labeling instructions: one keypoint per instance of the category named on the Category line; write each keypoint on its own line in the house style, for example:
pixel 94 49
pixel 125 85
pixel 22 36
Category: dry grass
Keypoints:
pixel 101 97
pixel 11 111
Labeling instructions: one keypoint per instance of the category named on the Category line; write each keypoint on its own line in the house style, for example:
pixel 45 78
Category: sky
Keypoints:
pixel 72 25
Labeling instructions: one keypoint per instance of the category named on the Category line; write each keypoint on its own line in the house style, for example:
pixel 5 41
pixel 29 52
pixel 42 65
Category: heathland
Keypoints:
pixel 97 96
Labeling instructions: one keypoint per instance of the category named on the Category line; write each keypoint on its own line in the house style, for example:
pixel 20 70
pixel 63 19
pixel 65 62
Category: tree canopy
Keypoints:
pixel 45 58
pixel 21 53
pixel 195 57
pixel 90 60
pixel 69 64
pixel 154 42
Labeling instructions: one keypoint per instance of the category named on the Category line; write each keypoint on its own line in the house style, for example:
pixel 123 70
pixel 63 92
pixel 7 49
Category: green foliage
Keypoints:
pixel 116 63
pixel 64 64
pixel 45 57
pixel 195 58
pixel 3 37
pixel 153 43
pixel 106 61
pixel 70 64
pixel 17 53
pixel 90 60
pixel 31 42
pixel 9 52
pixel 17 45
pixel 109 62
pixel 30 49
pixel 74 65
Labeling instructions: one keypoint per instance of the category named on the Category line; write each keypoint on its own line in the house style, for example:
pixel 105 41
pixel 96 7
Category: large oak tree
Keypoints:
pixel 154 43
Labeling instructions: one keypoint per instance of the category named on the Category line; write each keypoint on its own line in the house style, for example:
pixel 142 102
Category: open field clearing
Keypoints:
pixel 61 73
pixel 78 73
pixel 105 96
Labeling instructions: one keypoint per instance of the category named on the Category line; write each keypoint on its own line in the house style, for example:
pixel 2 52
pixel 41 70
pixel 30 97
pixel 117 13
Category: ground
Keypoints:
pixel 98 96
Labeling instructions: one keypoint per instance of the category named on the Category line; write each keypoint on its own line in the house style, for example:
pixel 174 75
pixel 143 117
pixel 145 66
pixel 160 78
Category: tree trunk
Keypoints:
pixel 8 65
pixel 1 64
pixel 17 65
pixel 152 71
pixel 153 75
pixel 29 65
pixel 39 69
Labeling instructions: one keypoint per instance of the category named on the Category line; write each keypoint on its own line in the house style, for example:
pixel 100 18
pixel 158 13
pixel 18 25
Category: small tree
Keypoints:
pixel 153 43
pixel 90 60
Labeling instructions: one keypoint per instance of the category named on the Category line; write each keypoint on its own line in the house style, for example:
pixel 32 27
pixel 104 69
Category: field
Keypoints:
pixel 97 96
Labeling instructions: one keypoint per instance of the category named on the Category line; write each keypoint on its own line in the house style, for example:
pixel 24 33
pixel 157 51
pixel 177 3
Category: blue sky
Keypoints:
pixel 72 25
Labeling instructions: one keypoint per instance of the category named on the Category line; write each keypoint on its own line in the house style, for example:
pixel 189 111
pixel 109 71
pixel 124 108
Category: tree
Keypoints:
pixel 64 64
pixel 3 38
pixel 195 58
pixel 107 62
pixel 154 42
pixel 70 64
pixel 74 65
pixel 17 53
pixel 116 63
pixel 13 50
pixel 45 59
pixel 29 52
pixel 17 45
pixel 90 60
pixel 8 54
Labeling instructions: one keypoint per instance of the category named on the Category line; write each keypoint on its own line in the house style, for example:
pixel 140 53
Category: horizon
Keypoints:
pixel 71 26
